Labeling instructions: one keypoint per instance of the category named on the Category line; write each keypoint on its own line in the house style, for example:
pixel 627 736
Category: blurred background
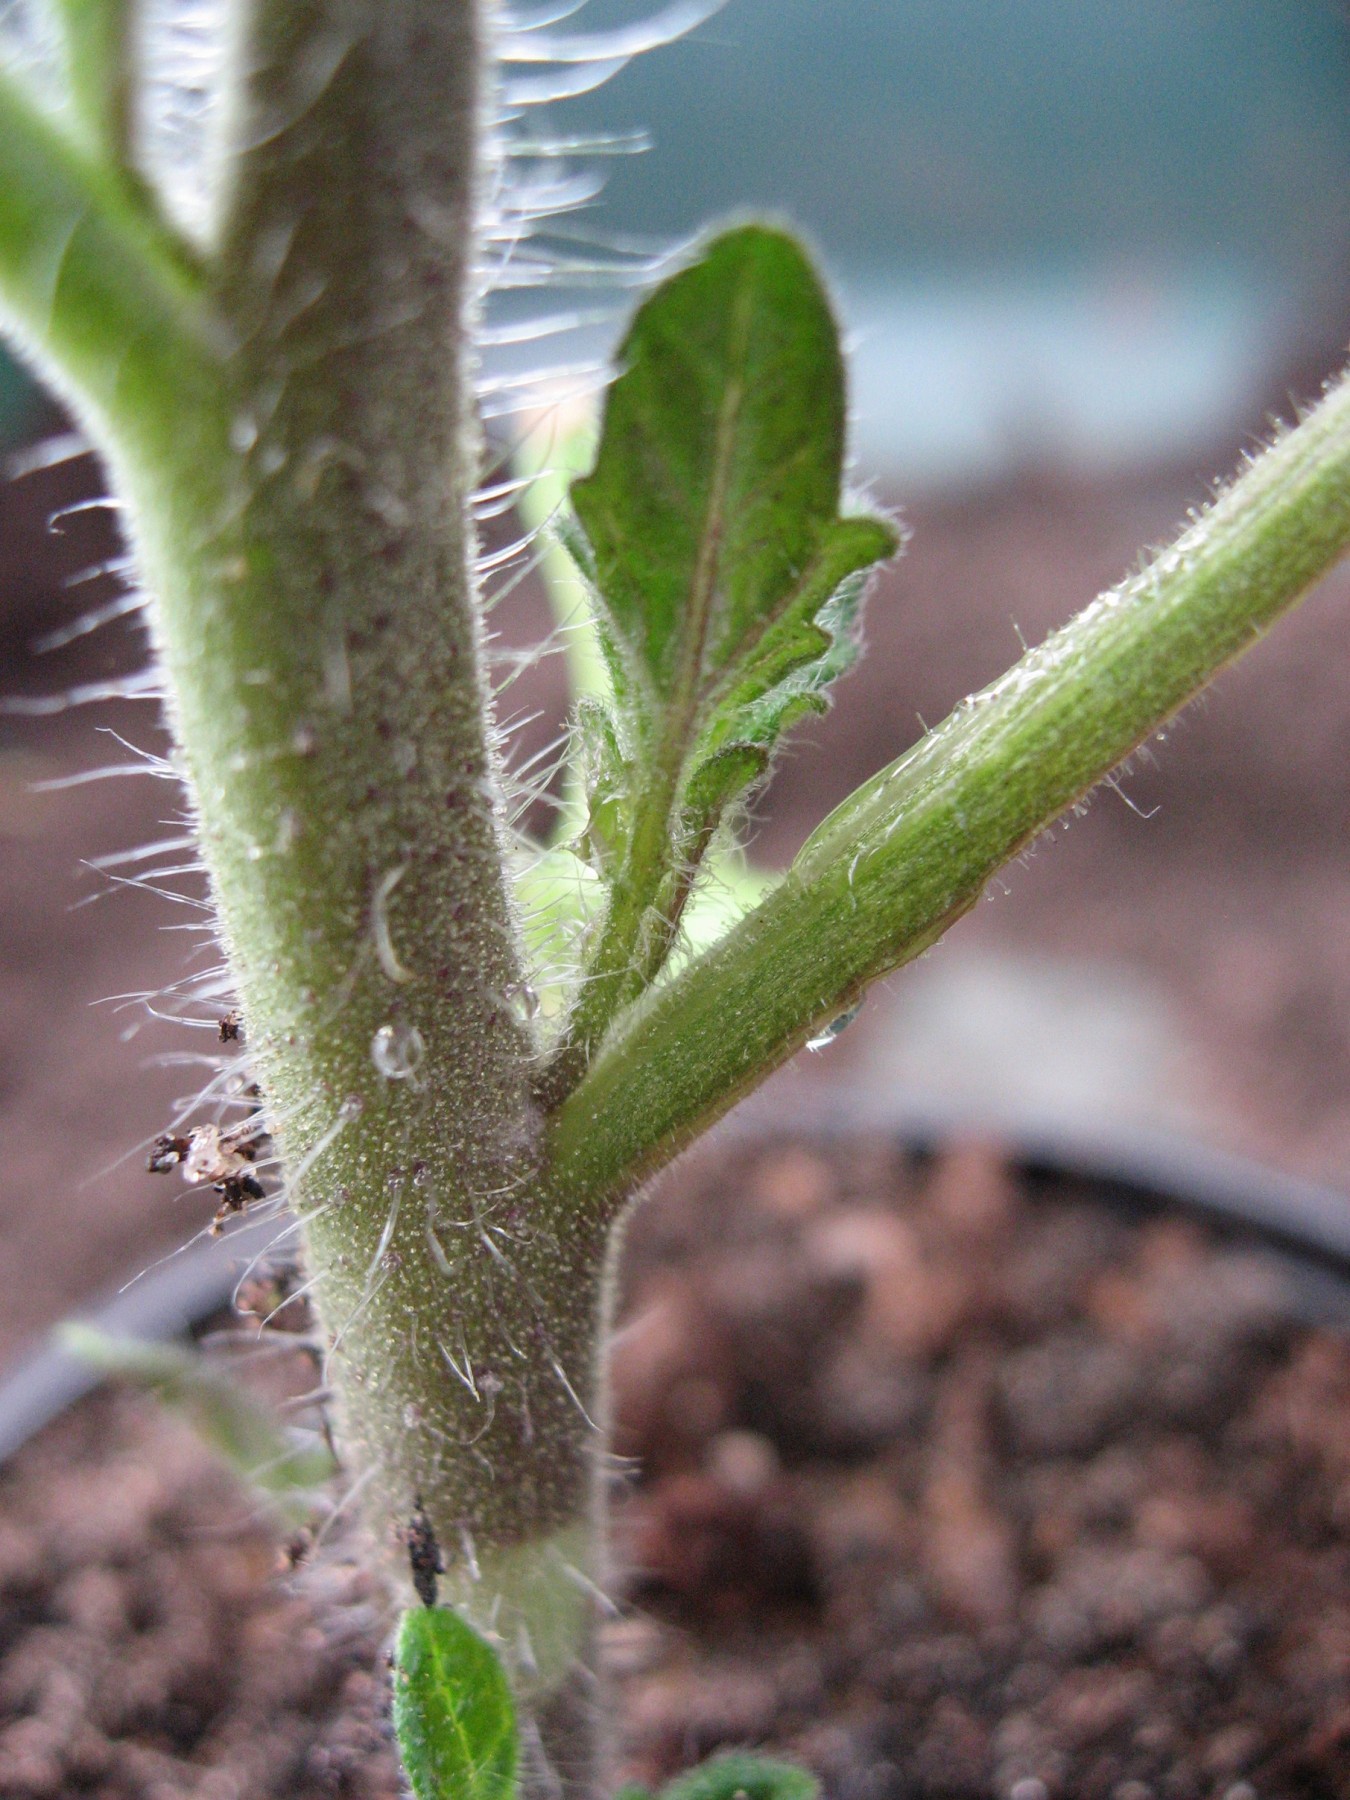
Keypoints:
pixel 1086 251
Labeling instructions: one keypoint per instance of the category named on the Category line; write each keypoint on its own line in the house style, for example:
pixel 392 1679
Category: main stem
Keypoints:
pixel 312 562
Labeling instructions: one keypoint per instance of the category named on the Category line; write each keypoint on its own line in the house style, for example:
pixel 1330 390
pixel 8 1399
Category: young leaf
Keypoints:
pixel 726 580
pixel 742 1777
pixel 720 778
pixel 712 510
pixel 453 1716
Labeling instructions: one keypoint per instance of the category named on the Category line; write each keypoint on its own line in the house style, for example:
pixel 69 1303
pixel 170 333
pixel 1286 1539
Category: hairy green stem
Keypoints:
pixel 912 850
pixel 331 686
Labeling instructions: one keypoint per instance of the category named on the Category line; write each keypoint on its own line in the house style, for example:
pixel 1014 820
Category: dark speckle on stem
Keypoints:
pixel 424 1555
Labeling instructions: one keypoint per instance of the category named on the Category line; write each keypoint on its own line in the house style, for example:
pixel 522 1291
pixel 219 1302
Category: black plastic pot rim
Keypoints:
pixel 1235 1192
pixel 1298 1217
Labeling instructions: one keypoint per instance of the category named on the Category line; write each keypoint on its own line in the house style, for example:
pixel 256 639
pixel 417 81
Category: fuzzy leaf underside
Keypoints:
pixel 810 645
pixel 453 1714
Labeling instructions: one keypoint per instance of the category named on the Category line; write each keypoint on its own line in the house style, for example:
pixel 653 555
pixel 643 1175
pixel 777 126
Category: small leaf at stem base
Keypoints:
pixel 453 1714
pixel 743 1777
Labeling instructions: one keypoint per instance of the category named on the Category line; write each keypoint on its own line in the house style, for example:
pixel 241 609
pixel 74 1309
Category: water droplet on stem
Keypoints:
pixel 523 1001
pixel 836 1028
pixel 397 1050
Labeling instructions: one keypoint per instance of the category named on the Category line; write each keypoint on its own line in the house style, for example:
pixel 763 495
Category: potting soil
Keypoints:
pixel 946 1481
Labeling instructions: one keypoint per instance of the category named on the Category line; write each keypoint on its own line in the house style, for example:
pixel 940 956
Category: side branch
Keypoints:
pixel 97 294
pixel 96 33
pixel 910 852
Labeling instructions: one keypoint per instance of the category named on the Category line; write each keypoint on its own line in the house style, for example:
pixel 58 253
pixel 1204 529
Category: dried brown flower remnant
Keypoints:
pixel 216 1157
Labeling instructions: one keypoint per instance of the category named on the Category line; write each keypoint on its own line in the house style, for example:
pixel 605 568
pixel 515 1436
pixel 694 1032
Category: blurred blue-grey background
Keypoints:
pixel 1089 231
pixel 19 402
pixel 1093 232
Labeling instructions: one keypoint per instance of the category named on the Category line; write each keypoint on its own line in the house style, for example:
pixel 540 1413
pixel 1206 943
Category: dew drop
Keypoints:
pixel 523 1001
pixel 352 1108
pixel 836 1028
pixel 243 432
pixel 397 1050
pixel 304 742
